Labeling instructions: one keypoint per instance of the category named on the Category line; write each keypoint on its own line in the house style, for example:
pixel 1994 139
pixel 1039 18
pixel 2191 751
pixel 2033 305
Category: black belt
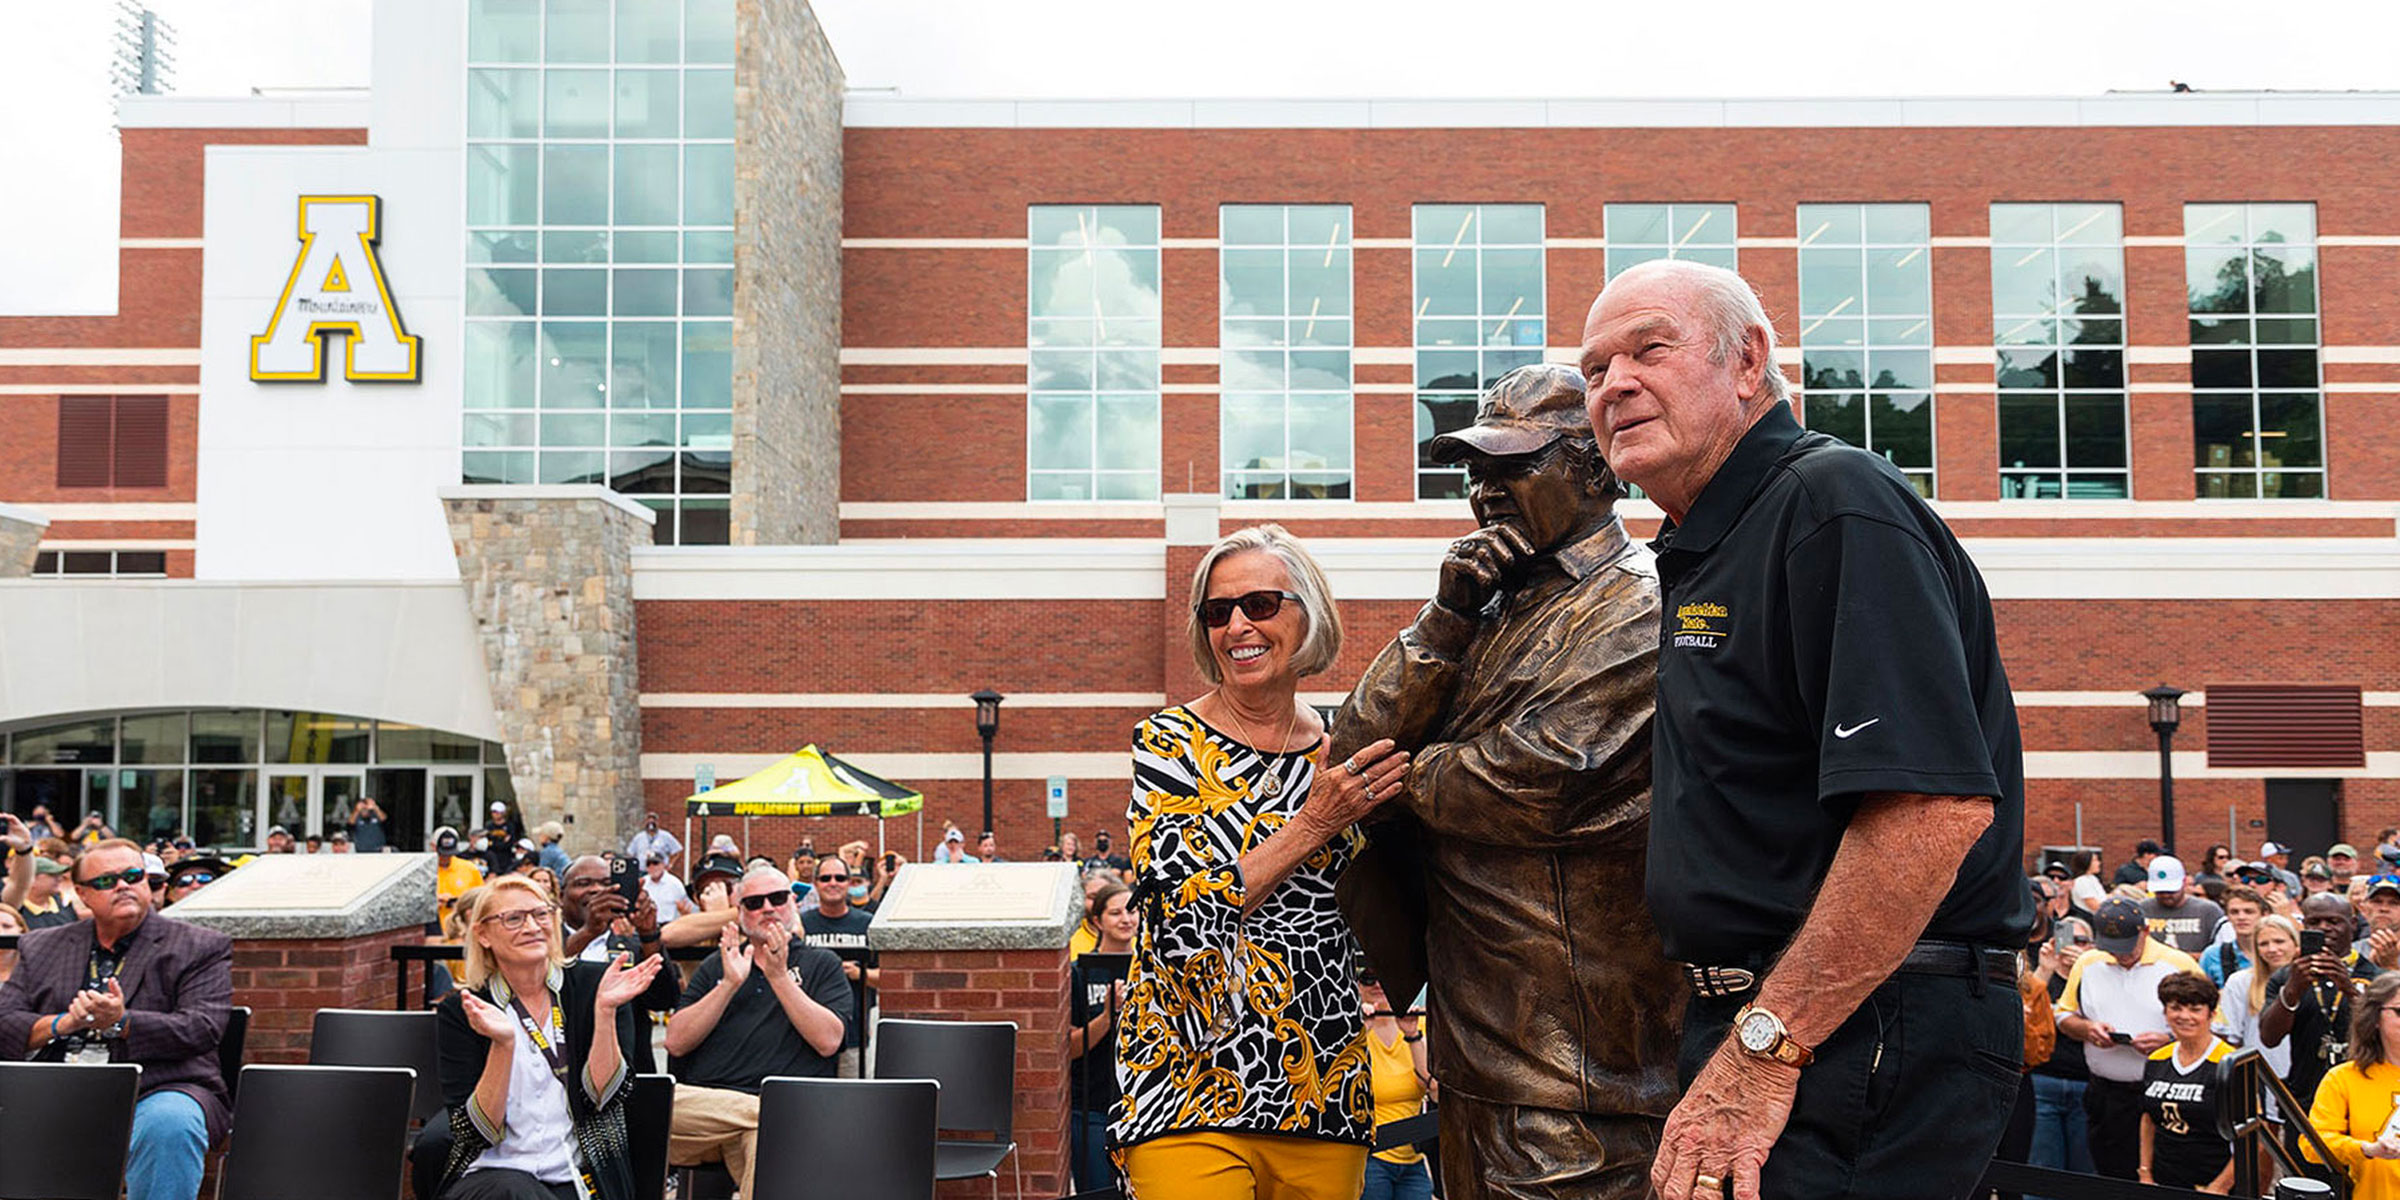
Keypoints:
pixel 1925 958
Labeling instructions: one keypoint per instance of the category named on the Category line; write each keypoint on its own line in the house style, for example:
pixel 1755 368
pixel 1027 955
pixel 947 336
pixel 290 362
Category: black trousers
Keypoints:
pixel 1907 1100
pixel 504 1184
pixel 2113 1116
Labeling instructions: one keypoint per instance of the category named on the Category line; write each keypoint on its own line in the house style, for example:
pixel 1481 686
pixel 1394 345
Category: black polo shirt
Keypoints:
pixel 1823 636
pixel 754 1038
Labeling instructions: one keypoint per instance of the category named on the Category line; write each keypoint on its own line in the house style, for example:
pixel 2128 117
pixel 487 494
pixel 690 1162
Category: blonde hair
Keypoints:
pixel 479 966
pixel 2258 966
pixel 1323 640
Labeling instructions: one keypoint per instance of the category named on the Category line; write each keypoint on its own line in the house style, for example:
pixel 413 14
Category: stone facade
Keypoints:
pixel 20 538
pixel 548 574
pixel 787 313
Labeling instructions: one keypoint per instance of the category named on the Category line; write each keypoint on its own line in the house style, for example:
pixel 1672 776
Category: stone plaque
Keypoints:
pixel 315 896
pixel 979 906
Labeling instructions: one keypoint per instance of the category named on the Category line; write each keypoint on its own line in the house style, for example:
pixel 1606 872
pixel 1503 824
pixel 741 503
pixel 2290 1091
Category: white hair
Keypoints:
pixel 1323 639
pixel 1728 309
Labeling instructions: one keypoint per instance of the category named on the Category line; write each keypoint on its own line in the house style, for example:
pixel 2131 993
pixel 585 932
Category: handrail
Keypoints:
pixel 2242 1121
pixel 2004 1176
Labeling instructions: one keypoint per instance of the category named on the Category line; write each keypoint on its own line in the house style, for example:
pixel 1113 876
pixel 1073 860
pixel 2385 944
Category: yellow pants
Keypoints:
pixel 1243 1166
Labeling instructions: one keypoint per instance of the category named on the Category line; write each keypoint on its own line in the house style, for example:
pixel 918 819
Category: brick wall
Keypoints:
pixel 1025 986
pixel 285 982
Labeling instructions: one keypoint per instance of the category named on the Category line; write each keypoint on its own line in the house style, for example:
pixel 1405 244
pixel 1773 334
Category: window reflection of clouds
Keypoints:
pixel 1479 313
pixel 1284 274
pixel 1093 307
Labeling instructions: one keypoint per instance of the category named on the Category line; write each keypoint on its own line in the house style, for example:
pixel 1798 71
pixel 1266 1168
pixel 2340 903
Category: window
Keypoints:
pixel 599 273
pixel 1639 233
pixel 1284 283
pixel 2058 330
pixel 117 564
pixel 112 441
pixel 1092 424
pixel 1479 315
pixel 1866 330
pixel 2257 408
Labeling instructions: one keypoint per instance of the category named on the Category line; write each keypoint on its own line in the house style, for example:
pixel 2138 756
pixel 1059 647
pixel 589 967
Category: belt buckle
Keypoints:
pixel 1719 982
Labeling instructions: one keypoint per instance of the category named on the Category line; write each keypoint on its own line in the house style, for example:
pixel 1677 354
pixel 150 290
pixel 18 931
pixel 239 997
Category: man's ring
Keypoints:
pixel 1709 1183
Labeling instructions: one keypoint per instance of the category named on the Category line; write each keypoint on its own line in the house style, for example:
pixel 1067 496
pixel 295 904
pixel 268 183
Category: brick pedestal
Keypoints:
pixel 1025 986
pixel 286 980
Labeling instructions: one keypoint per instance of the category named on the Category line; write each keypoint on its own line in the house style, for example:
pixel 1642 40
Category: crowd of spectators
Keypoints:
pixel 2159 972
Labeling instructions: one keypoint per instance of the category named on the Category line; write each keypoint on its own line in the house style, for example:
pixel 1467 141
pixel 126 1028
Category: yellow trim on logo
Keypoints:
pixel 368 240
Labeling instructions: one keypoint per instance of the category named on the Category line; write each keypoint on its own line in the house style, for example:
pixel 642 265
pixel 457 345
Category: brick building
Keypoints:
pixel 744 416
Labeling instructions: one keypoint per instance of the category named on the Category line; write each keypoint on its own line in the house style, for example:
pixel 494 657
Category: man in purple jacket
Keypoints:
pixel 130 986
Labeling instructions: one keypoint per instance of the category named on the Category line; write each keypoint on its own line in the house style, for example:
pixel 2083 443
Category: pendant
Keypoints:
pixel 1270 784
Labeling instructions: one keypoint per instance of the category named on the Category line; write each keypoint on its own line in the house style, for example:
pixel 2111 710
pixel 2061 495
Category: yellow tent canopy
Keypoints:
pixel 810 783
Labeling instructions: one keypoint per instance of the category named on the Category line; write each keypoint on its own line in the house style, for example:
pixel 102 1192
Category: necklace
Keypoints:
pixel 1268 782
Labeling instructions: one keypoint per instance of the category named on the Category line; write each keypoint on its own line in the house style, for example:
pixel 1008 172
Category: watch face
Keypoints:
pixel 1758 1033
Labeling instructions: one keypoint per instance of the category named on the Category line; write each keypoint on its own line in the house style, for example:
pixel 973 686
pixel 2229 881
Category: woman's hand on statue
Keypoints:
pixel 1345 792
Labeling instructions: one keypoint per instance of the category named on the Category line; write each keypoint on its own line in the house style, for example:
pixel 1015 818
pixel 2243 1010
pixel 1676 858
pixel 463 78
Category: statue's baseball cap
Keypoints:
pixel 2117 927
pixel 1523 411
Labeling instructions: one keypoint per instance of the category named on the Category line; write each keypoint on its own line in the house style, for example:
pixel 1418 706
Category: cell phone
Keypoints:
pixel 2121 1038
pixel 891 862
pixel 626 876
pixel 2064 939
pixel 2312 941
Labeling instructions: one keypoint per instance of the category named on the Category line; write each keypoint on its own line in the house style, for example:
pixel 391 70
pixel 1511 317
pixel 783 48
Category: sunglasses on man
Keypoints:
pixel 840 878
pixel 1258 606
pixel 113 880
pixel 776 898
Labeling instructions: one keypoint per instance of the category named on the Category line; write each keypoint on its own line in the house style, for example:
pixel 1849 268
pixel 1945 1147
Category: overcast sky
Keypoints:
pixel 58 219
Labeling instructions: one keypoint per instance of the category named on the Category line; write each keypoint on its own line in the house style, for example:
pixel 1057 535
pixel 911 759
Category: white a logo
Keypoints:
pixel 336 287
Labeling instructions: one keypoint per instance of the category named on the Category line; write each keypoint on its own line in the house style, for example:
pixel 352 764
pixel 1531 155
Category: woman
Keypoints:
pixel 536 1097
pixel 1097 995
pixel 2061 1131
pixel 2087 891
pixel 2216 864
pixel 1242 1056
pixel 1396 1053
pixel 2037 965
pixel 543 876
pixel 2181 1092
pixel 2277 943
pixel 2354 1106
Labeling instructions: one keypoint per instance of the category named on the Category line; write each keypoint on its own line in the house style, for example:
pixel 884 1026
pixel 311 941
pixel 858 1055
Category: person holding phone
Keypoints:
pixel 2111 1005
pixel 2315 994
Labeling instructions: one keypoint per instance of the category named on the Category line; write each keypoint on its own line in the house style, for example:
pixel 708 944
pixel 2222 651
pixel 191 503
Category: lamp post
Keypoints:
pixel 2165 714
pixel 987 723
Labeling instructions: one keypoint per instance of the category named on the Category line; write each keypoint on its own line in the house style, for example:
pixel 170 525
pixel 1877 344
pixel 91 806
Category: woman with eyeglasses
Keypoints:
pixel 2061 1131
pixel 2355 1106
pixel 537 1058
pixel 1241 1052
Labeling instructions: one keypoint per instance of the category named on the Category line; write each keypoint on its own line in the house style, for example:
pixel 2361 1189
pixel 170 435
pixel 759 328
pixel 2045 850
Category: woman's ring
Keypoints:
pixel 1350 765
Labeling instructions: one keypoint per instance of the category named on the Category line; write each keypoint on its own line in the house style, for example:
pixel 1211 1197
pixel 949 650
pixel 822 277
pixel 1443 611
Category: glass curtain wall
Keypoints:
pixel 1866 330
pixel 599 275
pixel 2058 329
pixel 1640 233
pixel 1479 314
pixel 2258 422
pixel 1284 288
pixel 1092 306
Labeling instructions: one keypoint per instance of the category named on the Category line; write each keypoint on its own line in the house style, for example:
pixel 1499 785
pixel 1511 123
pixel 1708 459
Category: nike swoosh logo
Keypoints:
pixel 1840 732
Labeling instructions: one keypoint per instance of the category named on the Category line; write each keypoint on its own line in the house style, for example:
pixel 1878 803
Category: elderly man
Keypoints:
pixel 1839 784
pixel 1523 691
pixel 2341 862
pixel 765 1004
pixel 2113 990
pixel 126 987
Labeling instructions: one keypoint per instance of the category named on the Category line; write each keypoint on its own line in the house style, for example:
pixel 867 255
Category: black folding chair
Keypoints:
pixel 319 1133
pixel 229 1049
pixel 874 1136
pixel 67 1127
pixel 649 1116
pixel 976 1064
pixel 377 1037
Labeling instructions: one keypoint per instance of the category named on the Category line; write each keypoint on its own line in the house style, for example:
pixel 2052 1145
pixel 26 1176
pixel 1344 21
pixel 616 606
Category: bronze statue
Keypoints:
pixel 1509 873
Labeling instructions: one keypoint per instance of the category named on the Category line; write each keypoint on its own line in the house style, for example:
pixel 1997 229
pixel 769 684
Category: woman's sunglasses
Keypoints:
pixel 1258 606
pixel 755 903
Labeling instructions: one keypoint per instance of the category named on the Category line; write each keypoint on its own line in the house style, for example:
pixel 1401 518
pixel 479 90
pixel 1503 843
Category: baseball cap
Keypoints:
pixel 2056 868
pixel 1527 409
pixel 655 859
pixel 2316 871
pixel 954 836
pixel 2342 848
pixel 2383 882
pixel 2271 849
pixel 154 866
pixel 2117 927
pixel 2166 874
pixel 717 864
pixel 499 806
pixel 446 842
pixel 47 865
pixel 273 830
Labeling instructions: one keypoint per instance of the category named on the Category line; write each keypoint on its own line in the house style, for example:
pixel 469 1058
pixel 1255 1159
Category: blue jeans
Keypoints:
pixel 170 1138
pixel 2060 1136
pixel 1092 1169
pixel 1396 1181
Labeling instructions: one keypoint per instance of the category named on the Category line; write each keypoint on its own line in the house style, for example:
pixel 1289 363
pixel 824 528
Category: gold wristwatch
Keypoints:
pixel 1761 1035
